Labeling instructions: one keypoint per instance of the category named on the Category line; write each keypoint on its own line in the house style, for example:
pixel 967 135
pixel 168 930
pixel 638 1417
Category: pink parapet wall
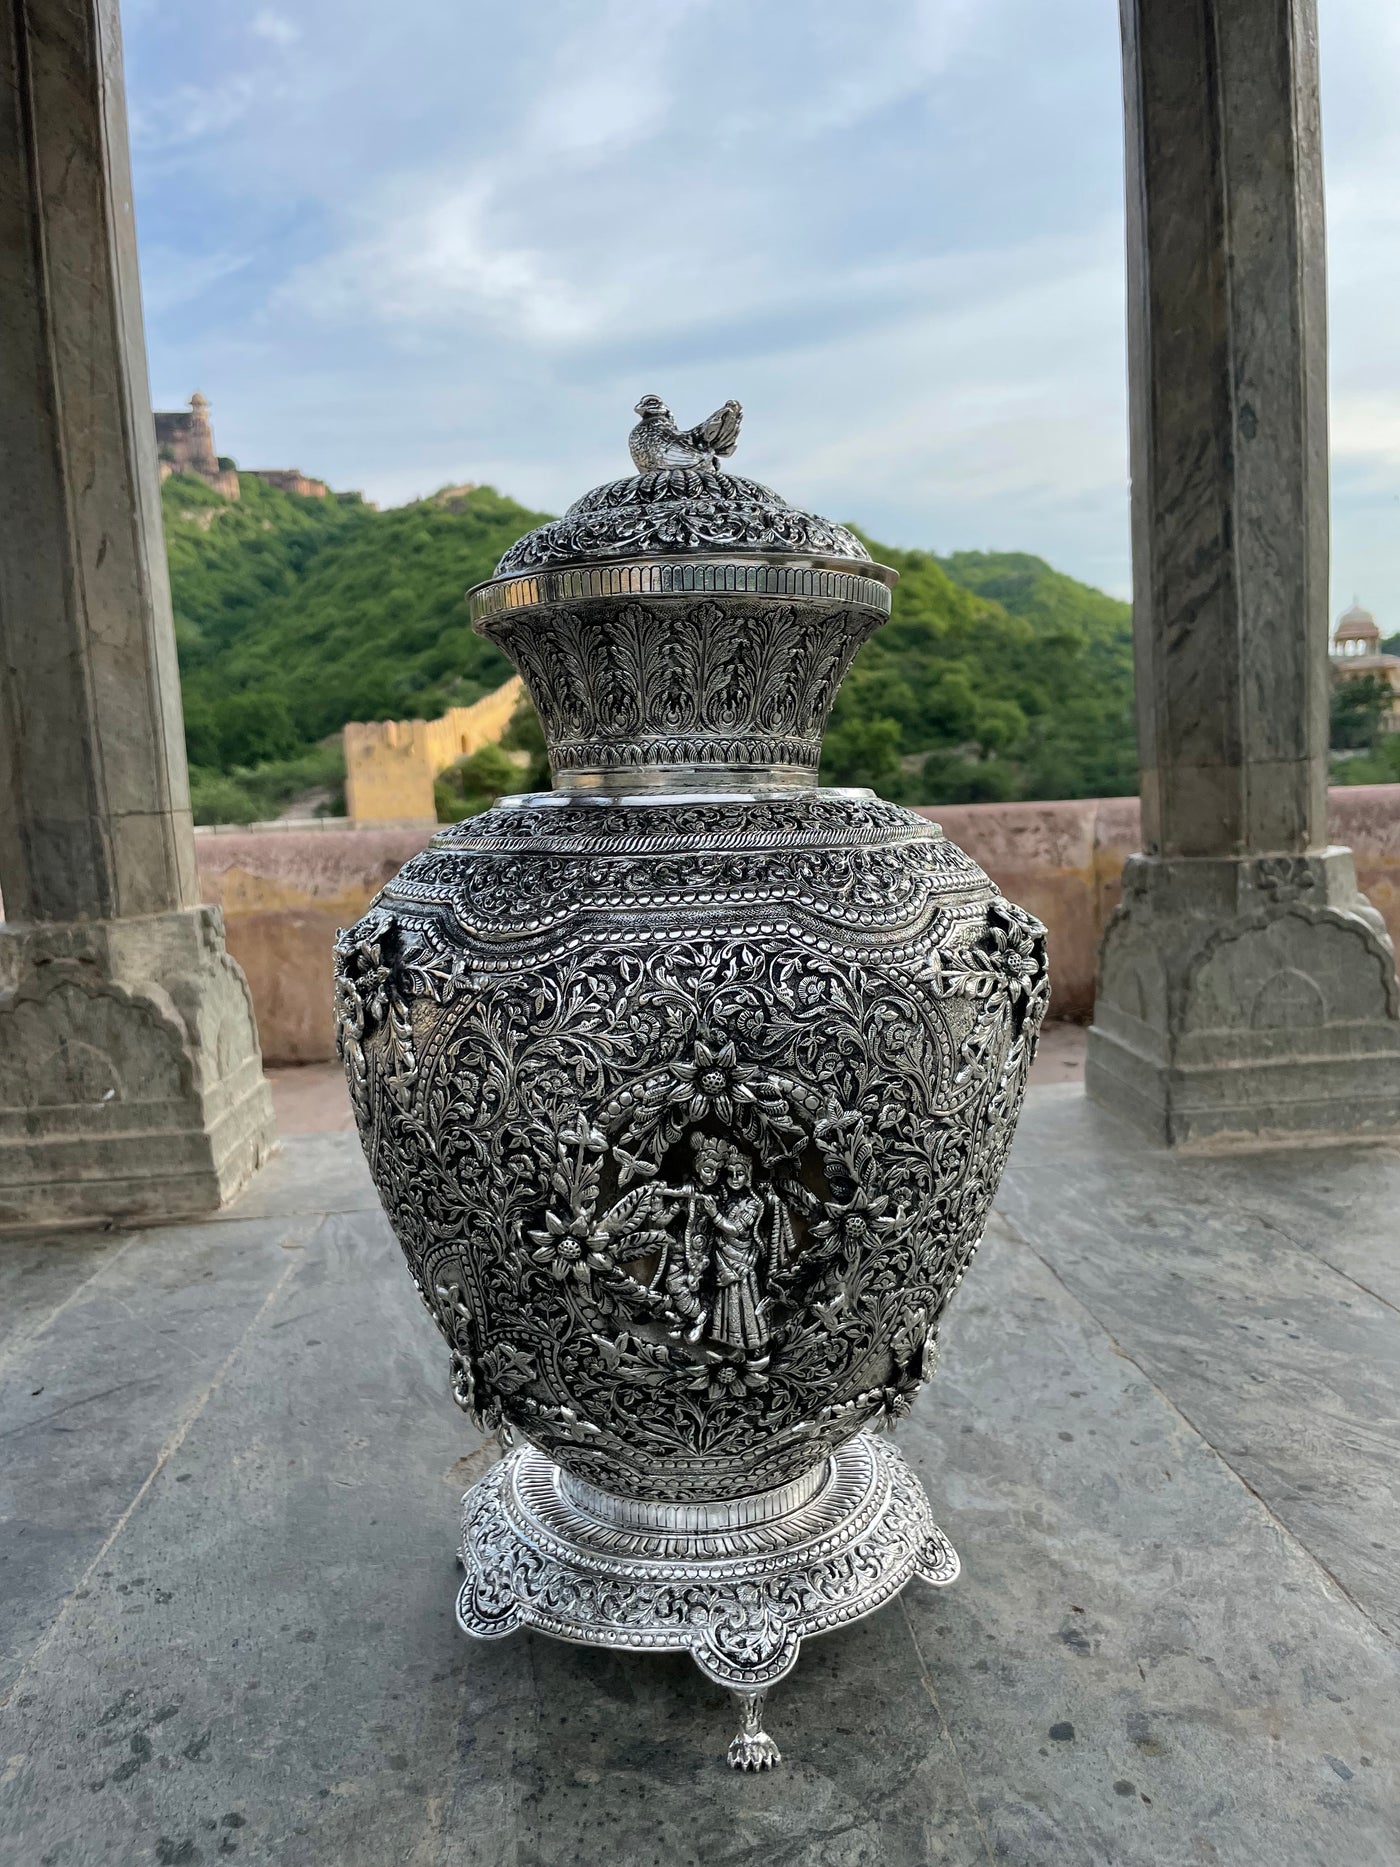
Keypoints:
pixel 284 892
pixel 1064 862
pixel 285 889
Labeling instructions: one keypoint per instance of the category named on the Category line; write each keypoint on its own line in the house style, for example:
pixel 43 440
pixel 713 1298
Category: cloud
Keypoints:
pixel 172 278
pixel 429 243
pixel 193 113
pixel 626 201
pixel 275 28
pixel 438 261
pixel 1366 428
pixel 609 85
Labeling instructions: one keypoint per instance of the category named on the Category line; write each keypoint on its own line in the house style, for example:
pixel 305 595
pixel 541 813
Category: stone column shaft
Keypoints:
pixel 1246 989
pixel 1227 362
pixel 94 796
pixel 130 1078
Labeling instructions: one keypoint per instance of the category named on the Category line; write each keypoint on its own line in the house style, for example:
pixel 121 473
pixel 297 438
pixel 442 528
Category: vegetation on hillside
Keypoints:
pixel 294 615
pixel 997 676
pixel 1364 752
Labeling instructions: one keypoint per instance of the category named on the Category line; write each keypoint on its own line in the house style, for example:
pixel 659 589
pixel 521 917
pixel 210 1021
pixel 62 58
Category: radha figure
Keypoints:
pixel 738 1318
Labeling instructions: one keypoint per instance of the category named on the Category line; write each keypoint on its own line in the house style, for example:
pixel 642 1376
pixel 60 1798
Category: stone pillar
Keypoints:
pixel 130 1078
pixel 1246 988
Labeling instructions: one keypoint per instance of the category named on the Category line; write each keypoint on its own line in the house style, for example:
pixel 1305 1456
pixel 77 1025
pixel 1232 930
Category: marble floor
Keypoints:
pixel 1165 1439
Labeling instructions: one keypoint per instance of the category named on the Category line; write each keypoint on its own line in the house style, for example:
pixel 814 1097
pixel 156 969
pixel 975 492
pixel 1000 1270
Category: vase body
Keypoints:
pixel 687 1086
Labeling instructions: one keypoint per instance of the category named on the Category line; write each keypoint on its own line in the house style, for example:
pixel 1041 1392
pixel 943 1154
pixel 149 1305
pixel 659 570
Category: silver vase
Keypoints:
pixel 686 1087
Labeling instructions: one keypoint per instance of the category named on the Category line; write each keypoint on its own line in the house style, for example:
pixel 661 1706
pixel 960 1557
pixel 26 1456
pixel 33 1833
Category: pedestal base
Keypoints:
pixel 738 1584
pixel 1247 1001
pixel 131 1084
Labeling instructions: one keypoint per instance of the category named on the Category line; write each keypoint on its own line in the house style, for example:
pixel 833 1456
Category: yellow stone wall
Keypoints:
pixel 390 764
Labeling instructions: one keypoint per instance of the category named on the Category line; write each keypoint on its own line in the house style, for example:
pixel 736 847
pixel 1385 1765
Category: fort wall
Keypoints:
pixel 290 480
pixel 390 765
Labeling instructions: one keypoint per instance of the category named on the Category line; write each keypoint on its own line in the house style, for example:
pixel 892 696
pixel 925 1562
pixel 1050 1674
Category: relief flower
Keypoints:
pixel 563 1248
pixel 892 1404
pixel 374 979
pixel 740 1095
pixel 853 1224
pixel 712 1082
pixel 749 1022
pixel 1015 955
pixel 735 1380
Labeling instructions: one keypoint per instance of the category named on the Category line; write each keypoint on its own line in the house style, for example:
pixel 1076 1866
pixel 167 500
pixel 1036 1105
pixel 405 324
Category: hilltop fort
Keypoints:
pixel 185 444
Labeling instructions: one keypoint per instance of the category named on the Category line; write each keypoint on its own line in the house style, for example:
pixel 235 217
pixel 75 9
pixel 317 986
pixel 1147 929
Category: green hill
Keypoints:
pixel 996 678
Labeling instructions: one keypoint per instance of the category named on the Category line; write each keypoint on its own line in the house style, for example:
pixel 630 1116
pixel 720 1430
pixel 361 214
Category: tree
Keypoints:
pixel 201 732
pixel 474 783
pixel 252 727
pixel 525 734
pixel 951 779
pixel 864 751
pixel 1359 709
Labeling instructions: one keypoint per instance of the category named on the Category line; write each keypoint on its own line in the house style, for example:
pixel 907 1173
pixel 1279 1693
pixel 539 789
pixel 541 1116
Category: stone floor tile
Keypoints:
pixel 1285 1364
pixel 233 1637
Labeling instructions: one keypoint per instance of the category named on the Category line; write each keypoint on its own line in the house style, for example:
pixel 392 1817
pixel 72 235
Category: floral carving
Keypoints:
pixel 678 510
pixel 680 681
pixel 689 1200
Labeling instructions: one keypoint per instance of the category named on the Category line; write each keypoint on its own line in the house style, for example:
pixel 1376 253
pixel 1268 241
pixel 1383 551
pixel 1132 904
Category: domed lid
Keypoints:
pixel 1357 625
pixel 679 502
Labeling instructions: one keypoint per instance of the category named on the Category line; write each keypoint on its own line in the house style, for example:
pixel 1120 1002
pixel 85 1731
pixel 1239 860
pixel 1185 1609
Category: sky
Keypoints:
pixel 413 245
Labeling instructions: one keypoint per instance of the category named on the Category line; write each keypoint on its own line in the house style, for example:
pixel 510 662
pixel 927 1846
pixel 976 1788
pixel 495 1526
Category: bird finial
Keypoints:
pixel 656 442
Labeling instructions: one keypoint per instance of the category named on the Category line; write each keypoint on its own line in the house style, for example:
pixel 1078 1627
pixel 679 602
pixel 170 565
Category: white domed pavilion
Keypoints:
pixel 1356 653
pixel 1357 633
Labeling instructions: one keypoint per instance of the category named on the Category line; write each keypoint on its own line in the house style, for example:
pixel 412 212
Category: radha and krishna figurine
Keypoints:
pixel 733 1238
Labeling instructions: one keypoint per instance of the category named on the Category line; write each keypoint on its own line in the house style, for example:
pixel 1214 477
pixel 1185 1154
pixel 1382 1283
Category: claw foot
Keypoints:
pixel 752 1749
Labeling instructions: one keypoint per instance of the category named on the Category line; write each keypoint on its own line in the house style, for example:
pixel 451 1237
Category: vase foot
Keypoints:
pixel 738 1585
pixel 752 1748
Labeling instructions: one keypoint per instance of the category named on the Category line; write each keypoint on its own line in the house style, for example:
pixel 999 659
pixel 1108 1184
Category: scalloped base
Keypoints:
pixel 738 1585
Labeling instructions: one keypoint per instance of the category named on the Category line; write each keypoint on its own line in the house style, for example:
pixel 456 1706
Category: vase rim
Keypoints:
pixel 549 576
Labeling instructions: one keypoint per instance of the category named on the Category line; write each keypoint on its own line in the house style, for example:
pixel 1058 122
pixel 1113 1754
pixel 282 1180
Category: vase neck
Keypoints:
pixel 687 780
pixel 683 675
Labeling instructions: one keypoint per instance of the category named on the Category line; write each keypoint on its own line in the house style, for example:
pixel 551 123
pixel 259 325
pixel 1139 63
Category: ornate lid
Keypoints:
pixel 684 630
pixel 680 501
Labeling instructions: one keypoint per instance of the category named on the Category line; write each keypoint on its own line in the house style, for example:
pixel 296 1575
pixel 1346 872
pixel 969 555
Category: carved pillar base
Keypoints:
pixel 1246 999
pixel 131 1084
